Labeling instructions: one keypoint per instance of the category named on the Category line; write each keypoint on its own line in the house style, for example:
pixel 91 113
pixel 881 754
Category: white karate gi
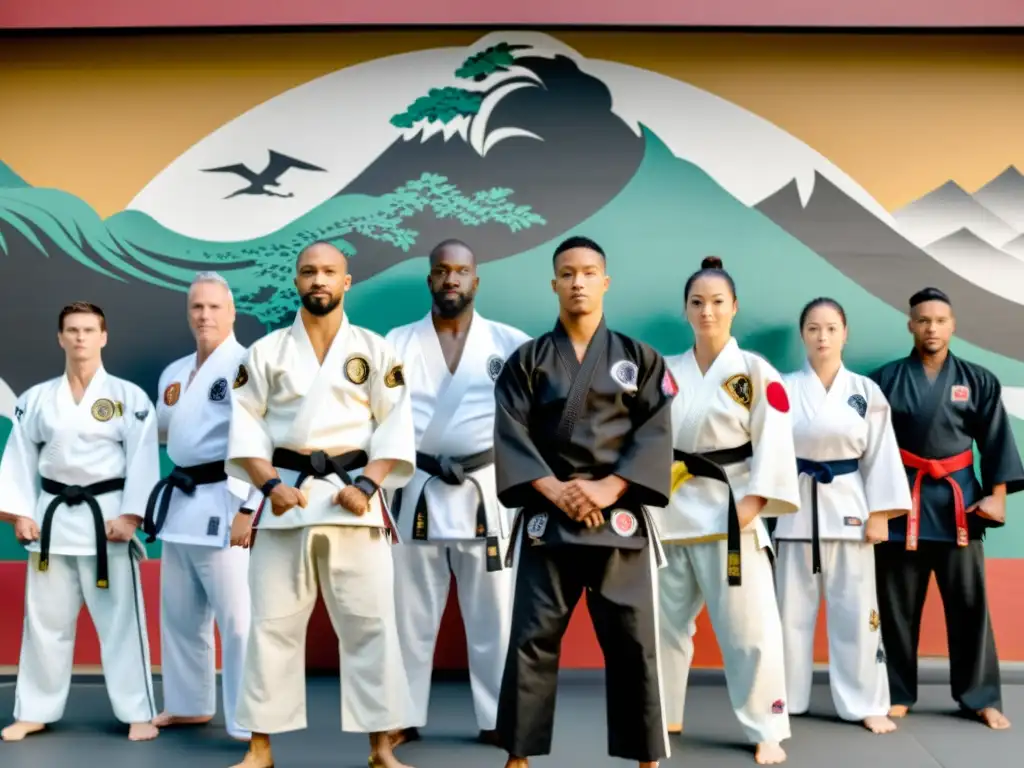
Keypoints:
pixel 110 434
pixel 709 414
pixel 202 578
pixel 454 415
pixel 356 400
pixel 851 420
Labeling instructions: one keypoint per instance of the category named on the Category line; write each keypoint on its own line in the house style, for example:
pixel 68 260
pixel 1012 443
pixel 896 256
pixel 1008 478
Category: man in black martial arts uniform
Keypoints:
pixel 582 444
pixel 941 406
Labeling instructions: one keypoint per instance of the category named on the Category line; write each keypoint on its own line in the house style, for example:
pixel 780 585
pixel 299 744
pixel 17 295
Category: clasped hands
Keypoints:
pixel 284 497
pixel 583 500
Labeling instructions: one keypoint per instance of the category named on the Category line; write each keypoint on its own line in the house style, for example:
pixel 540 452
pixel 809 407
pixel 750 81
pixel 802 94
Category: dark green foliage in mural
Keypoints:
pixel 133 245
pixel 445 104
pixel 497 58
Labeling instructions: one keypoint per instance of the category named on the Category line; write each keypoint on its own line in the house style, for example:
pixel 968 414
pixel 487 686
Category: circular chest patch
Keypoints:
pixel 219 390
pixel 357 370
pixel 625 374
pixel 494 366
pixel 777 398
pixel 858 403
pixel 624 523
pixel 171 394
pixel 103 410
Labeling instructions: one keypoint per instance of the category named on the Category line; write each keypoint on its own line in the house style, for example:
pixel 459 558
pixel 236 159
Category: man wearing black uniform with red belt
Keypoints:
pixel 942 406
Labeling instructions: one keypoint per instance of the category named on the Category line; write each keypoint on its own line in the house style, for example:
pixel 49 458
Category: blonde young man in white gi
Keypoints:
pixel 76 471
pixel 193 511
pixel 321 419
pixel 449 515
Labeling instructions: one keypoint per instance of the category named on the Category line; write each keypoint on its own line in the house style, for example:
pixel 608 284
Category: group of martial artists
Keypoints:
pixel 533 471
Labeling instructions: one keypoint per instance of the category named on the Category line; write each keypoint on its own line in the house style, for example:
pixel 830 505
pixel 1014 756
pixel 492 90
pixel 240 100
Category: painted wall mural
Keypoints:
pixel 511 143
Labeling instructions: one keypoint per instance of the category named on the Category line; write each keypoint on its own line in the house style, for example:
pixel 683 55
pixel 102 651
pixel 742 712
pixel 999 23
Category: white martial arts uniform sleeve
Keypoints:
pixel 163 415
pixel 394 437
pixel 773 474
pixel 141 453
pixel 19 467
pixel 254 499
pixel 885 479
pixel 249 436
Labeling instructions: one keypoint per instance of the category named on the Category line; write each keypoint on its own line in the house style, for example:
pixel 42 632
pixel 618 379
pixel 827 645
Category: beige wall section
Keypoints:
pixel 99 117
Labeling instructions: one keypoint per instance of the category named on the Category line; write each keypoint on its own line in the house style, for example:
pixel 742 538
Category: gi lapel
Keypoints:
pixel 696 395
pixel 206 386
pixel 450 393
pixel 933 396
pixel 313 380
pixel 582 375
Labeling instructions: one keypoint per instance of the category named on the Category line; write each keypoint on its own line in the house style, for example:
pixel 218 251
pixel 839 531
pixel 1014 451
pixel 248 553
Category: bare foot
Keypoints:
pixel 878 724
pixel 674 729
pixel 259 755
pixel 18 731
pixel 898 710
pixel 649 765
pixel 769 753
pixel 994 719
pixel 165 719
pixel 403 735
pixel 517 762
pixel 143 732
pixel 381 755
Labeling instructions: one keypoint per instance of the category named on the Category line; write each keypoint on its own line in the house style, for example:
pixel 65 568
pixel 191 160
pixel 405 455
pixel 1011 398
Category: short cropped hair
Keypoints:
pixel 929 294
pixel 212 277
pixel 578 241
pixel 81 308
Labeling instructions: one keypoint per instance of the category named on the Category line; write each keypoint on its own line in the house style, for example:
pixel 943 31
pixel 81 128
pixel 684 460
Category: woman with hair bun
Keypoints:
pixel 851 482
pixel 735 464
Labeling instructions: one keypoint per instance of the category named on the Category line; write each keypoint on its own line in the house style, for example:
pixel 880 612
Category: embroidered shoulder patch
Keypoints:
pixel 18 412
pixel 625 373
pixel 740 389
pixel 777 398
pixel 669 388
pixel 874 622
pixel 959 394
pixel 394 378
pixel 357 369
pixel 141 415
pixel 242 377
pixel 859 404
pixel 494 366
pixel 219 390
pixel 172 393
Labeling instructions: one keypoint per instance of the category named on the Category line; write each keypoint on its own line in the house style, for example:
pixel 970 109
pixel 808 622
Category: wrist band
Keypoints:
pixel 366 485
pixel 270 485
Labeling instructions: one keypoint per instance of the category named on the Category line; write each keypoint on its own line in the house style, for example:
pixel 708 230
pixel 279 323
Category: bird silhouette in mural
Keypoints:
pixel 268 177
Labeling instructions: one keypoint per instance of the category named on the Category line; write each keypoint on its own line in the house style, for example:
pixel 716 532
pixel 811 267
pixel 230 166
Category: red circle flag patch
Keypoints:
pixel 777 397
pixel 668 384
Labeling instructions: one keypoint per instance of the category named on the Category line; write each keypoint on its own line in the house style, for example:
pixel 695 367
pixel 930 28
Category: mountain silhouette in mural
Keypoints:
pixel 946 210
pixel 890 266
pixel 1004 196
pixel 991 268
pixel 560 130
pixel 1015 247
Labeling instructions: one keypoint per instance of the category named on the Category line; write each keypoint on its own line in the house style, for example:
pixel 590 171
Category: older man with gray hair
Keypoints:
pixel 198 513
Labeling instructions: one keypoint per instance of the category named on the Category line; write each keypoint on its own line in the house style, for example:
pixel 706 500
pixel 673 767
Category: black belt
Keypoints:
pixel 186 480
pixel 73 495
pixel 454 470
pixel 319 464
pixel 822 472
pixel 711 465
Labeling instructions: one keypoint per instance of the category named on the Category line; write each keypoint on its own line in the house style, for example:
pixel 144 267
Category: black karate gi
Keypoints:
pixel 938 421
pixel 556 417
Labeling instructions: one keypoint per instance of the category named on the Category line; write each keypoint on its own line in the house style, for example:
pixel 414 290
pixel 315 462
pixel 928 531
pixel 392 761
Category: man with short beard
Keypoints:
pixel 320 421
pixel 449 514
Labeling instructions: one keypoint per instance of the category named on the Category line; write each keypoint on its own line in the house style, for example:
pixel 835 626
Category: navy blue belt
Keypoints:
pixel 822 472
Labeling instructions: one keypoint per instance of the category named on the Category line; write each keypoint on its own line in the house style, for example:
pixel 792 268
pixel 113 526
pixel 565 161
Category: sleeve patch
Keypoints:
pixel 242 377
pixel 777 398
pixel 740 389
pixel 394 378
pixel 669 388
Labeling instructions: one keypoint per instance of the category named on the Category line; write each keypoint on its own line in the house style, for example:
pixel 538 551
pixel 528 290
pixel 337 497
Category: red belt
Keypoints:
pixel 937 469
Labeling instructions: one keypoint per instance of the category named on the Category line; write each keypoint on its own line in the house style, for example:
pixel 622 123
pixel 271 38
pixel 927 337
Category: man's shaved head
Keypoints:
pixel 321 248
pixel 454 245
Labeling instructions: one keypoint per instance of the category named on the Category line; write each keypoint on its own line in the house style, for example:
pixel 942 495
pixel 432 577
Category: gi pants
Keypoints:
pixel 423 573
pixel 351 566
pixel 621 592
pixel 902 578
pixel 53 600
pixel 200 585
pixel 856 658
pixel 746 624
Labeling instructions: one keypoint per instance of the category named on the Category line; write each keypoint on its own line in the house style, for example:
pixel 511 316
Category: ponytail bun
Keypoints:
pixel 711 262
